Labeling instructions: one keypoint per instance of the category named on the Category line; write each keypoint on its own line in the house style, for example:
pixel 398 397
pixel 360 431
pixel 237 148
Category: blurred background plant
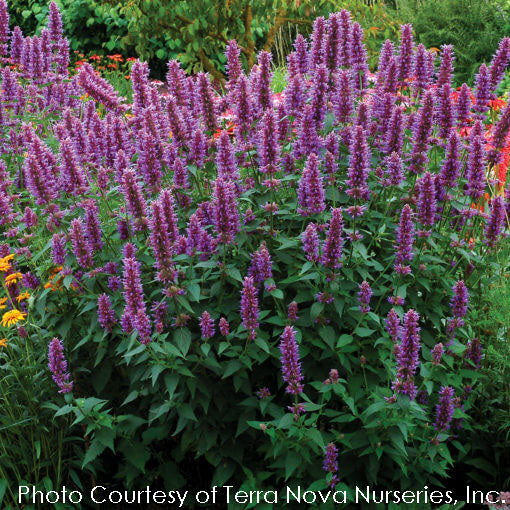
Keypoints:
pixel 474 27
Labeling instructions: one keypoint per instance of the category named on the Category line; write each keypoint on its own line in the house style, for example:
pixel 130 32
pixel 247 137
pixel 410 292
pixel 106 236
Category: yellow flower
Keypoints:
pixel 12 317
pixel 4 263
pixel 2 303
pixel 22 296
pixel 13 278
pixel 3 342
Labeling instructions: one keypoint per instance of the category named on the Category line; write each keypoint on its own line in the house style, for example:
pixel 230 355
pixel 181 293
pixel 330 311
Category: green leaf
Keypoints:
pixel 343 341
pixel 106 436
pixel 194 291
pixel 316 437
pixel 364 332
pixel 95 449
pixel 182 337
pixel 232 367
pixel 262 344
pixel 234 273
pixel 292 461
pixel 316 310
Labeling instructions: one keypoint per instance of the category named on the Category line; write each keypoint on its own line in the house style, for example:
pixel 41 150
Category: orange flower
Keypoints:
pixel 131 59
pixel 3 342
pixel 4 263
pixel 116 58
pixel 22 296
pixel 112 66
pixel 2 303
pixel 13 278
pixel 95 57
pixel 12 317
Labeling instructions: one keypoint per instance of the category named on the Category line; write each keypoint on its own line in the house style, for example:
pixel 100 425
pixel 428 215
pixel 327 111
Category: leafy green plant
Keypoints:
pixel 438 22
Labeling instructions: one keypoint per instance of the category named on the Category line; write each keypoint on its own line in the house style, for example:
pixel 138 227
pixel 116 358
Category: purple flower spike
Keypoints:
pixel 206 325
pixel 205 96
pixel 421 69
pixel 408 356
pixel 105 313
pixel 358 58
pixel 482 89
pixel 58 366
pixel 311 188
pixel 291 367
pixel 81 248
pixel 395 134
pixel 405 58
pixel 394 169
pixel 58 249
pixel 405 241
pixel 333 246
pixel 460 300
pixel 364 296
pixel 359 165
pixel 331 463
pixel 474 352
pixel 4 29
pixel 496 221
pixel 226 217
pixel 499 63
pixel 444 409
pixel 446 68
pixel 301 49
pixel 343 104
pixel 332 46
pixel 250 307
pixel 437 353
pixel 393 325
pixel 292 312
pixel 318 42
pixel 450 169
pixel 427 204
pixel 234 68
pixel 463 107
pixel 224 327
pixel 260 268
pixel 475 170
pixel 310 240
pixel 421 131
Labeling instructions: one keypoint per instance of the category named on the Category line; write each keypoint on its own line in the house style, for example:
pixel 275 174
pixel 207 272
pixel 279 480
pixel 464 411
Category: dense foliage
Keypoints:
pixel 247 286
pixel 196 32
pixel 438 22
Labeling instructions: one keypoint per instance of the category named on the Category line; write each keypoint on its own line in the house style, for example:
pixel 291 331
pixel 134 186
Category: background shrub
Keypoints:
pixel 474 27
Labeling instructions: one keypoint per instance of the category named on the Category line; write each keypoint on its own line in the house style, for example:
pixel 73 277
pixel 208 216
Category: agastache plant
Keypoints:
pixel 229 242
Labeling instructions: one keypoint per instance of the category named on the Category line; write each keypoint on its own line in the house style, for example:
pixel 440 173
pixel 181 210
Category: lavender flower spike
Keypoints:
pixel 291 367
pixel 249 307
pixel 405 241
pixel 364 296
pixel 311 188
pixel 444 409
pixel 58 366
pixel 333 246
pixel 206 325
pixel 331 463
pixel 408 356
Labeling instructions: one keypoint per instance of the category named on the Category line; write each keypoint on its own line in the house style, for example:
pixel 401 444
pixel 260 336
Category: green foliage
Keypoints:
pixel 34 443
pixel 474 27
pixel 492 421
